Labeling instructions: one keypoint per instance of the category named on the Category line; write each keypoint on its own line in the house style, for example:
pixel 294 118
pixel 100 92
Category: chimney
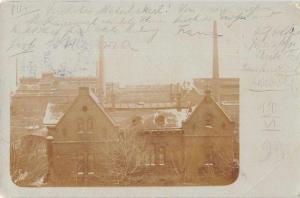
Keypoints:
pixel 216 77
pixel 17 73
pixel 113 99
pixel 83 91
pixel 178 98
pixel 171 92
pixel 101 71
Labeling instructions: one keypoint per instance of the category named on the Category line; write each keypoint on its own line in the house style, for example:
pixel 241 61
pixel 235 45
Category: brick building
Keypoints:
pixel 100 133
pixel 170 146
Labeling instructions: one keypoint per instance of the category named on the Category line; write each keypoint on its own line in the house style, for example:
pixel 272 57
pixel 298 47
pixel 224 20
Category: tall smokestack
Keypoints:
pixel 178 98
pixel 216 77
pixel 113 97
pixel 100 71
pixel 17 73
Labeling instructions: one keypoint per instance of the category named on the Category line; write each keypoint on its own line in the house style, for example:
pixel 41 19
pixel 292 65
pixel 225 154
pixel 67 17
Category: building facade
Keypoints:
pixel 77 139
pixel 86 147
pixel 100 133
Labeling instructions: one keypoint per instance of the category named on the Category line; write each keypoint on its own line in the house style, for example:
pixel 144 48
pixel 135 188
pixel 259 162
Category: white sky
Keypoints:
pixel 170 57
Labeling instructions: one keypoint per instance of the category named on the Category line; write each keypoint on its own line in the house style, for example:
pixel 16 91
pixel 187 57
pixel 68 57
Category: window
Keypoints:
pixel 90 125
pixel 150 156
pixel 121 135
pixel 161 156
pixel 210 155
pixel 80 125
pixel 137 120
pixel 160 120
pixel 80 164
pixel 208 120
pixel 85 125
pixel 91 164
pixel 155 155
pixel 85 164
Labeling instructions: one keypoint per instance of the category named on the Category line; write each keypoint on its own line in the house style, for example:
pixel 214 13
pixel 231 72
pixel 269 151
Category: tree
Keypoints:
pixel 125 157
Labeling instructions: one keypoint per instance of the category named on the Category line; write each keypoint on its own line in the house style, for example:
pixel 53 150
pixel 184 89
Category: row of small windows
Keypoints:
pixel 155 155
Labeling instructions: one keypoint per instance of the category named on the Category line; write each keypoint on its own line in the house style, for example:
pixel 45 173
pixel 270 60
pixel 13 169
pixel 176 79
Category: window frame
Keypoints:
pixel 162 156
pixel 80 126
pixel 90 125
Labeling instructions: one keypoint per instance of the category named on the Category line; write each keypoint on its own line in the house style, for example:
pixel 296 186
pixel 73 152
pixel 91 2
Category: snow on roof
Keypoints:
pixel 199 92
pixel 40 132
pixel 173 118
pixel 36 133
pixel 53 113
pixel 178 116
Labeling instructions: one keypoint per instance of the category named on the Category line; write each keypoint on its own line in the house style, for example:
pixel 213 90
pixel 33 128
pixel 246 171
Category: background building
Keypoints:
pixel 171 133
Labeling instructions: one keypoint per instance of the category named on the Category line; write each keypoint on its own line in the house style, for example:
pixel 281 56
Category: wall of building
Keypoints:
pixel 209 145
pixel 164 157
pixel 81 141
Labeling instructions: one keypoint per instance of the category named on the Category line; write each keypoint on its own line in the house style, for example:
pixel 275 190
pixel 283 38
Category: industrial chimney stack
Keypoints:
pixel 216 77
pixel 101 72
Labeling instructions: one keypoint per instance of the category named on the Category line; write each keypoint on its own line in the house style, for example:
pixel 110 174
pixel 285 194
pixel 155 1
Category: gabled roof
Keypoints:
pixel 99 105
pixel 54 118
pixel 208 99
pixel 197 91
pixel 173 118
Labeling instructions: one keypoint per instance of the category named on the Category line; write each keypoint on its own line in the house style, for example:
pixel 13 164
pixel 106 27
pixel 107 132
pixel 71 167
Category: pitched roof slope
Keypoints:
pixel 208 99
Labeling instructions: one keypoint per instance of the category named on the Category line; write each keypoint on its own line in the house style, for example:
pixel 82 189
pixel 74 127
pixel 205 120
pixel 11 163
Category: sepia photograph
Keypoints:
pixel 149 99
pixel 70 129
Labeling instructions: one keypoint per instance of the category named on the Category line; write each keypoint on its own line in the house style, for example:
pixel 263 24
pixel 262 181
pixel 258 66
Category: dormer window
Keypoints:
pixel 160 120
pixel 137 120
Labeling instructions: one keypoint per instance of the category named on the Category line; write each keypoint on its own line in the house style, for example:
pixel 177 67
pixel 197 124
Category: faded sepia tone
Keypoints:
pixel 142 99
pixel 85 131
